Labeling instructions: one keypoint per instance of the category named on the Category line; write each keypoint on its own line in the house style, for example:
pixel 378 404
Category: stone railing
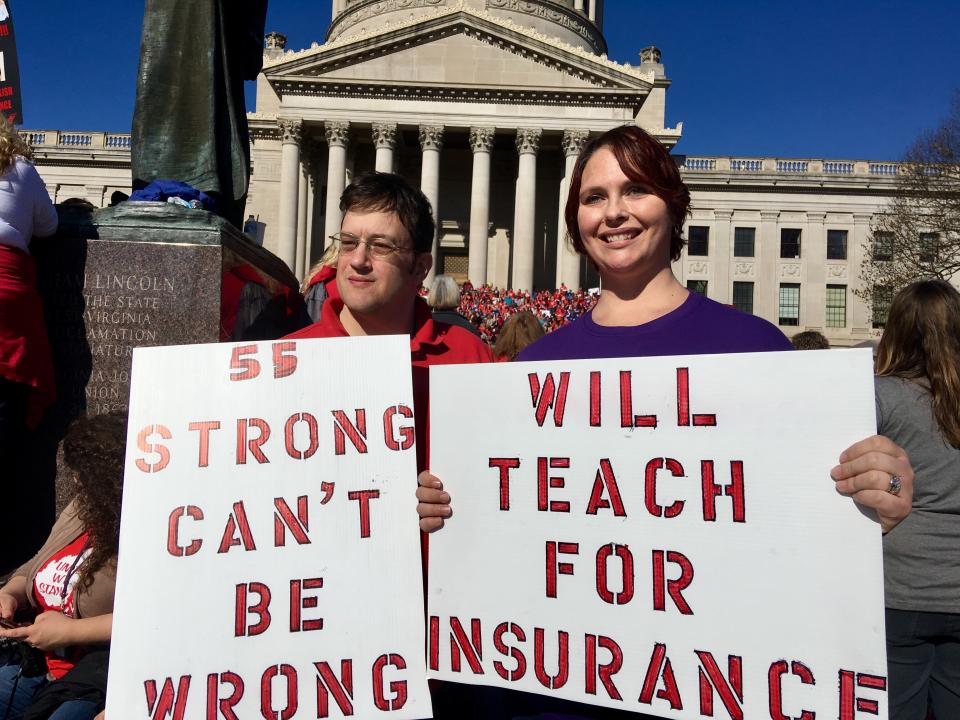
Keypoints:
pixel 787 166
pixel 66 139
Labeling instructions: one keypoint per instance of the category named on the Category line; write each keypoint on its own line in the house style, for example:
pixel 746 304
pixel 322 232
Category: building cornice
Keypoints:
pixel 459 18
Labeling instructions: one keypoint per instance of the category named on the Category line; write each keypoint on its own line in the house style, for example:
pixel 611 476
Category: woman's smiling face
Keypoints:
pixel 625 228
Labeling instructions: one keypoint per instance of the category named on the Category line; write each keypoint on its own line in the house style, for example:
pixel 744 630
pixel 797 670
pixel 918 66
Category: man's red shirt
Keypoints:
pixel 431 343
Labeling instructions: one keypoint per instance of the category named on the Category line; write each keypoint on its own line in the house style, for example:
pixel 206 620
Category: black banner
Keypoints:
pixel 10 106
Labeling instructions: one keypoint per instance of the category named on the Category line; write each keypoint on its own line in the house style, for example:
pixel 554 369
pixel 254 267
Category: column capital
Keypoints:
pixel 862 218
pixel 573 141
pixel 481 138
pixel 384 135
pixel 722 214
pixel 816 217
pixel 337 133
pixel 431 137
pixel 769 215
pixel 291 130
pixel 528 140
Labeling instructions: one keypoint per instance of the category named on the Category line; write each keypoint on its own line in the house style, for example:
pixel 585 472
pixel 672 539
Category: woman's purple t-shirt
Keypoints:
pixel 699 326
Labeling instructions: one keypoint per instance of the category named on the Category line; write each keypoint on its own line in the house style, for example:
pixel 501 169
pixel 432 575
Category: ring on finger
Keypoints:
pixel 895 485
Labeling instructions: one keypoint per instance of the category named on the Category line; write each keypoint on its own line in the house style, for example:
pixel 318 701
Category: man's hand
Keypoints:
pixel 49 631
pixel 434 502
pixel 864 474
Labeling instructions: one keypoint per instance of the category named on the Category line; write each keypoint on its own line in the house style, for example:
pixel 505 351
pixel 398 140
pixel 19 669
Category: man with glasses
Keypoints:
pixel 384 247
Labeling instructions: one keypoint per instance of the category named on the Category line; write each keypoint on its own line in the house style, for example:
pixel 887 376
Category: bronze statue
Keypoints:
pixel 190 120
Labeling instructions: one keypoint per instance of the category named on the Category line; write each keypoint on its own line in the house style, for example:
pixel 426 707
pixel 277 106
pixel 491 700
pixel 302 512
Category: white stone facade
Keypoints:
pixel 485 104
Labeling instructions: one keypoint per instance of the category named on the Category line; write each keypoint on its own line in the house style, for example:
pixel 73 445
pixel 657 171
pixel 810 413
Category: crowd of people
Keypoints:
pixel 489 307
pixel 625 212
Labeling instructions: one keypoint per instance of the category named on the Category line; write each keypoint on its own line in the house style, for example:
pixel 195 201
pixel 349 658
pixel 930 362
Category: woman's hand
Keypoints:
pixel 434 502
pixel 52 630
pixel 864 473
pixel 8 606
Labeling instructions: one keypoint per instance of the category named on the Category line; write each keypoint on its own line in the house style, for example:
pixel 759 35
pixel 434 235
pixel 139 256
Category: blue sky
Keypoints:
pixel 839 79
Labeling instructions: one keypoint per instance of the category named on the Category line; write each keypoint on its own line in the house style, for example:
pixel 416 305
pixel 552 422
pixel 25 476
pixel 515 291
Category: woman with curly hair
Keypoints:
pixel 918 406
pixel 26 368
pixel 69 584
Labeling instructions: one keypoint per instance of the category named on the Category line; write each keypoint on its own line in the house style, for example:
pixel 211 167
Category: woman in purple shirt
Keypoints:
pixel 625 212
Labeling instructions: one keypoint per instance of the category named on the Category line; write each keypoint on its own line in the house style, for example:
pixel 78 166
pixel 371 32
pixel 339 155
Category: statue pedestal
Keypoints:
pixel 138 274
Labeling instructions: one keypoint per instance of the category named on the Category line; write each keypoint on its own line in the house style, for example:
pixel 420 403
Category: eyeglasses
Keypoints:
pixel 378 246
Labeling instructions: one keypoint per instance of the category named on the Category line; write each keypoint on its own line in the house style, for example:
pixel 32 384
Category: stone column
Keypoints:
pixel 766 293
pixel 337 135
pixel 859 314
pixel 310 164
pixel 592 14
pixel 481 142
pixel 722 257
pixel 568 261
pixel 385 140
pixel 291 131
pixel 431 143
pixel 528 142
pixel 302 196
pixel 578 5
pixel 813 257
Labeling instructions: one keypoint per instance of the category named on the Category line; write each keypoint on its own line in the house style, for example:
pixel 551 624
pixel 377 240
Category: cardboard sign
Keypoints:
pixel 659 535
pixel 10 103
pixel 269 548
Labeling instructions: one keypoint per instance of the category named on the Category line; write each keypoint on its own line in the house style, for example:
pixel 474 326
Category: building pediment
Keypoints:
pixel 458 53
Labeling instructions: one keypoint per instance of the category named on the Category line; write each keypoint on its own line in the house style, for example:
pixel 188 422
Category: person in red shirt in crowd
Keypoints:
pixel 384 244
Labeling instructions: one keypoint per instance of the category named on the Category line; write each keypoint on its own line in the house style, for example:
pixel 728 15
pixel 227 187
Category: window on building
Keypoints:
pixel 743 239
pixel 789 303
pixel 929 248
pixel 743 296
pixel 698 240
pixel 789 243
pixel 883 246
pixel 697 286
pixel 836 244
pixel 836 306
pixel 882 297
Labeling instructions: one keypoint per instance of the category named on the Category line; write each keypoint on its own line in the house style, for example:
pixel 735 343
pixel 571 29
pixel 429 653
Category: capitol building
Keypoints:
pixel 484 104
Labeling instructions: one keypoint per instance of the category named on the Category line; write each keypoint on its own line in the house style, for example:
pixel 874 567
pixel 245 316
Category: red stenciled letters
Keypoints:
pixel 850 704
pixel 605 480
pixel 660 667
pixel 364 497
pixel 650 487
pixel 549 396
pixel 261 609
pixel 562 568
pixel 298 603
pixel 397 687
pixel 284 519
pixel 204 427
pixel 284 361
pixel 173 531
pixel 169 701
pixel 775 688
pixel 605 671
pixel 341 688
pixel 627 418
pixel 217 706
pixel 406 433
pixel 252 444
pixel 683 403
pixel 521 662
pixel 673 587
pixel 247 367
pixel 729 688
pixel 343 429
pixel 161 450
pixel 313 436
pixel 554 682
pixel 626 566
pixel 266 692
pixel 459 643
pixel 237 521
pixel 545 481
pixel 712 490
pixel 505 465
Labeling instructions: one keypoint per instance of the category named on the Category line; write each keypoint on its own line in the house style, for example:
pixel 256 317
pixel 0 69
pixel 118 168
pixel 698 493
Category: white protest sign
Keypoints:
pixel 659 535
pixel 269 549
